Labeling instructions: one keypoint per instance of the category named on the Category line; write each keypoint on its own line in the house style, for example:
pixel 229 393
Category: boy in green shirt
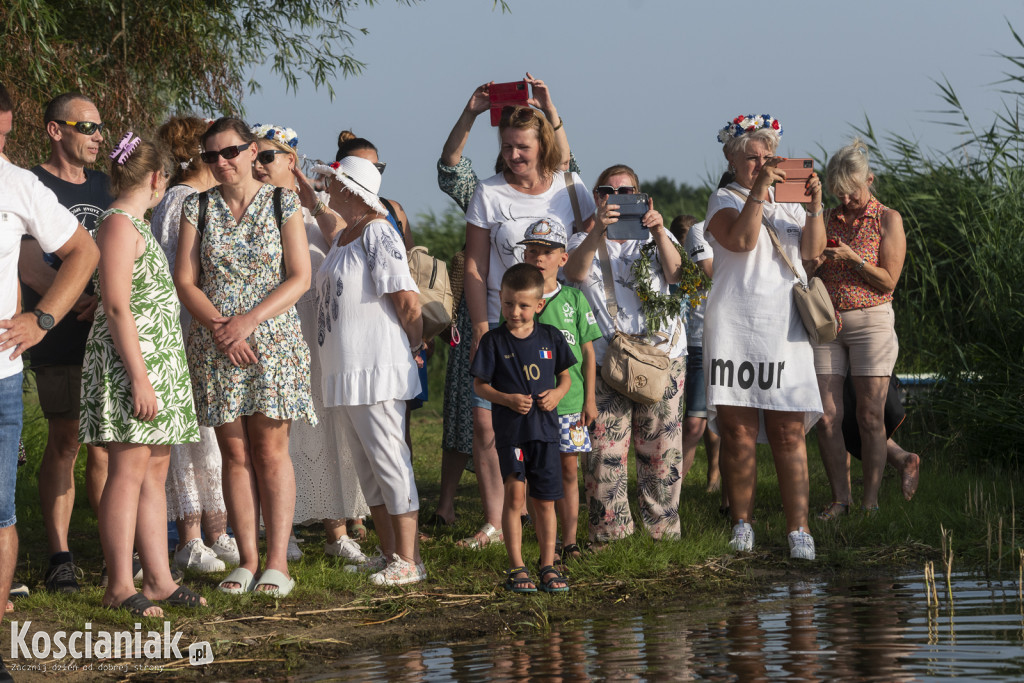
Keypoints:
pixel 567 309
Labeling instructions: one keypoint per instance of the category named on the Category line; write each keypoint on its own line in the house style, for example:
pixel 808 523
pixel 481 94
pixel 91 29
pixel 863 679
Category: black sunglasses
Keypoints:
pixel 605 190
pixel 380 166
pixel 228 153
pixel 266 156
pixel 83 127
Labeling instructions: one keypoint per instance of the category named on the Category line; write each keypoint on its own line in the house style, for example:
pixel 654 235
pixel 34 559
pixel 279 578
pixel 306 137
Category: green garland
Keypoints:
pixel 659 308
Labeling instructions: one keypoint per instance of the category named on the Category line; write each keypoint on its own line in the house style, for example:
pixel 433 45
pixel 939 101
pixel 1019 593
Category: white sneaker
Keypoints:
pixel 370 563
pixel 399 573
pixel 347 549
pixel 801 545
pixel 293 549
pixel 742 537
pixel 195 555
pixel 226 549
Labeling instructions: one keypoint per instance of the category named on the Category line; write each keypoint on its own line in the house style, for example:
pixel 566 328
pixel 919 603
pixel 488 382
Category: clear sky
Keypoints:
pixel 650 82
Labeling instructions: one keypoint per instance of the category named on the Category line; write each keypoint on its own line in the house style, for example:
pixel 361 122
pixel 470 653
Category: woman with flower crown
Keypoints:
pixel 242 263
pixel 136 397
pixel 758 362
pixel 324 471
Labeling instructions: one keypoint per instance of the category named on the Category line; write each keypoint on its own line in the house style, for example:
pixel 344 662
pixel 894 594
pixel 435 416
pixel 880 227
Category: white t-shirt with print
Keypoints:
pixel 506 212
pixel 629 318
pixel 756 350
pixel 364 351
pixel 27 207
pixel 698 249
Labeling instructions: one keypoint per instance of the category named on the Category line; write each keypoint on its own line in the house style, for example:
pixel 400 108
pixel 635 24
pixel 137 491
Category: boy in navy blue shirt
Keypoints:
pixel 522 368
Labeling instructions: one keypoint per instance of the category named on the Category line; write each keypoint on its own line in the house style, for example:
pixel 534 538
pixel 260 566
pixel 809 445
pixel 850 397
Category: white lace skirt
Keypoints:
pixel 326 483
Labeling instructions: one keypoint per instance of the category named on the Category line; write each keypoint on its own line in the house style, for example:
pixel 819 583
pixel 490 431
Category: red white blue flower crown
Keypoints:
pixel 747 124
pixel 286 136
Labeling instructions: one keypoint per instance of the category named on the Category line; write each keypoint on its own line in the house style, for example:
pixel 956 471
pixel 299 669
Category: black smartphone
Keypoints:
pixel 632 208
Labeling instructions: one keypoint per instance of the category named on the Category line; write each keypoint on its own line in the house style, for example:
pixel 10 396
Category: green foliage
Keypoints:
pixel 141 60
pixel 444 234
pixel 960 305
pixel 673 199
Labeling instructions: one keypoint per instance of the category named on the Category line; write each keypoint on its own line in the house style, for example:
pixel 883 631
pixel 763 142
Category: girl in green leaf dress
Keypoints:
pixel 136 394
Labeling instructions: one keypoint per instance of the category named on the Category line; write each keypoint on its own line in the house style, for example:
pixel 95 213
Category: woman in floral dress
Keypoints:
pixel 243 262
pixel 135 388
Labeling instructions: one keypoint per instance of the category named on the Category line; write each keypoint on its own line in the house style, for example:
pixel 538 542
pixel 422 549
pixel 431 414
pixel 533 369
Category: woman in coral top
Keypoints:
pixel 862 263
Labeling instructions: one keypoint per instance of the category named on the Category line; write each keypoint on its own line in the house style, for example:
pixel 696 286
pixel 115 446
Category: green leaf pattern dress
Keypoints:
pixel 106 414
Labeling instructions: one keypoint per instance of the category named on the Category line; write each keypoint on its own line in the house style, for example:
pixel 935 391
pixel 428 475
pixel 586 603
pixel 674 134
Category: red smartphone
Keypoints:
pixel 505 94
pixel 831 243
pixel 794 189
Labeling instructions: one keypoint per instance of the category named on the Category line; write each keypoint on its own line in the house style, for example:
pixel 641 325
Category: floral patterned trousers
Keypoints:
pixel 657 435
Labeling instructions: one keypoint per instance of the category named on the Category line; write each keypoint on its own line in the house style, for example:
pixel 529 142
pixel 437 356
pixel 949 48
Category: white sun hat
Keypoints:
pixel 360 176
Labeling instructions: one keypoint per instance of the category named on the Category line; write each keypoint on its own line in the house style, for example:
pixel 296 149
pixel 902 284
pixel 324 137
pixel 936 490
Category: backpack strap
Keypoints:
pixel 204 202
pixel 391 210
pixel 278 212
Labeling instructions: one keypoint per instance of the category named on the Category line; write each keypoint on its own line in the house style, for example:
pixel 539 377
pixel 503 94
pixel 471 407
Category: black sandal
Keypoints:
pixel 547 585
pixel 519 584
pixel 136 604
pixel 571 552
pixel 183 597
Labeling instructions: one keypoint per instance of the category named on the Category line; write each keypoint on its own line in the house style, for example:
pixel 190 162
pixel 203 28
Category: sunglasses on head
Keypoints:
pixel 266 156
pixel 605 190
pixel 83 127
pixel 231 152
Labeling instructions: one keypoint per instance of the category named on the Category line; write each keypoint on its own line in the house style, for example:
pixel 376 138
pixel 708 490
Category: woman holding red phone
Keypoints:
pixel 862 264
pixel 654 430
pixel 757 357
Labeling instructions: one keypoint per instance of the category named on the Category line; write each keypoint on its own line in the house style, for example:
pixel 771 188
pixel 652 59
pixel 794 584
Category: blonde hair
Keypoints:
pixel 848 169
pixel 147 158
pixel 617 169
pixel 527 118
pixel 768 136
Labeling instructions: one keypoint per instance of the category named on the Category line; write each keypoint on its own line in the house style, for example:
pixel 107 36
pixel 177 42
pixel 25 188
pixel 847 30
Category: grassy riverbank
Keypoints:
pixel 332 613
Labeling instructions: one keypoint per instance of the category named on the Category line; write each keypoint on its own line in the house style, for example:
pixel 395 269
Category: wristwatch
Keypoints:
pixel 45 320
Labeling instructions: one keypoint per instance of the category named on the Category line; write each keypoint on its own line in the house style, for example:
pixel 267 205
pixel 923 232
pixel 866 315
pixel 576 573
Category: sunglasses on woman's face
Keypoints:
pixel 380 166
pixel 210 157
pixel 605 190
pixel 83 127
pixel 266 156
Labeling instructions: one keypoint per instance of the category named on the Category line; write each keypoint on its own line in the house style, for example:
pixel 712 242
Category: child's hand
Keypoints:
pixel 589 412
pixel 144 405
pixel 548 400
pixel 521 403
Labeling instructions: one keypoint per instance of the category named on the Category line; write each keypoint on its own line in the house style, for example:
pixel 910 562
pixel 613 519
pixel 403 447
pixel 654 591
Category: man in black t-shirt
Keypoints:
pixel 74 127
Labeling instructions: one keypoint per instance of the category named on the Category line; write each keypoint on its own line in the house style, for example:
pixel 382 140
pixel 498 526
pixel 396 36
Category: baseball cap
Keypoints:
pixel 546 231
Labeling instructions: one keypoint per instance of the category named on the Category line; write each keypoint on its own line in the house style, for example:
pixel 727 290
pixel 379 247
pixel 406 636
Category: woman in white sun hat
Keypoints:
pixel 369 332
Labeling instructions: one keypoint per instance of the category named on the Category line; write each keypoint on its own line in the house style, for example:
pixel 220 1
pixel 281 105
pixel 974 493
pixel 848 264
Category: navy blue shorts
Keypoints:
pixel 694 389
pixel 538 463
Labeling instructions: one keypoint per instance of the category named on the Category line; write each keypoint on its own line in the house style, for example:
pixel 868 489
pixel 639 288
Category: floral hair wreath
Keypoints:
pixel 125 148
pixel 285 136
pixel 748 124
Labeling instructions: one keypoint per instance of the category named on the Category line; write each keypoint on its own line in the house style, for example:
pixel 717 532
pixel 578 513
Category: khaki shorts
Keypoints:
pixel 866 346
pixel 60 391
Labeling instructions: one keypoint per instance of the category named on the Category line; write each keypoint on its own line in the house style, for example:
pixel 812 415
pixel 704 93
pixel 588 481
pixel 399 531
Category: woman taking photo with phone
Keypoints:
pixel 637 267
pixel 862 263
pixel 757 357
pixel 240 271
pixel 502 208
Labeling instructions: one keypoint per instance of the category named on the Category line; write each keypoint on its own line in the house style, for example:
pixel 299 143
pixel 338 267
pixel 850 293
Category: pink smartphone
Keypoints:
pixel 797 173
pixel 505 94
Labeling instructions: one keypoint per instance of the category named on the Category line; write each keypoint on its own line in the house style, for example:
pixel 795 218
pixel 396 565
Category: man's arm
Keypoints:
pixel 80 257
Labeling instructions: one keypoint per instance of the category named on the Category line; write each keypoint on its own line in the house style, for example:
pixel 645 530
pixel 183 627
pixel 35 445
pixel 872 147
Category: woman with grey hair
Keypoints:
pixel 757 357
pixel 860 268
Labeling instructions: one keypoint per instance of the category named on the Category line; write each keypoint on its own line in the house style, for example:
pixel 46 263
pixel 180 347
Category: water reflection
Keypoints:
pixel 875 629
